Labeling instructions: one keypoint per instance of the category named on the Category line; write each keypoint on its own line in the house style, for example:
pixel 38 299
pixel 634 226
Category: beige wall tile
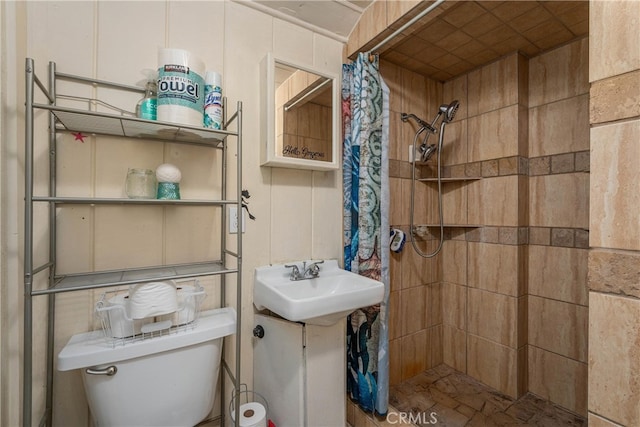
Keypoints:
pixel 454 347
pixel 398 212
pixel 454 144
pixel 615 98
pixel 613 28
pixel 417 270
pixel 559 200
pixel 395 271
pixel 395 361
pixel 596 421
pixel 614 272
pixel 493 134
pixel 412 304
pixel 559 127
pixel 454 305
pixel 414 91
pixel 434 346
pixel 559 327
pixel 614 357
pixel 493 86
pixel 523 81
pixel 615 186
pixel 523 373
pixel 493 364
pixel 392 75
pixel 425 202
pixel 456 89
pixel 493 316
pixel 414 357
pixel 494 201
pixel 493 267
pixel 522 323
pixel 396 9
pixel 394 315
pixel 454 203
pixel 559 379
pixel 371 23
pixel 558 273
pixel 454 262
pixel 433 304
pixel 559 74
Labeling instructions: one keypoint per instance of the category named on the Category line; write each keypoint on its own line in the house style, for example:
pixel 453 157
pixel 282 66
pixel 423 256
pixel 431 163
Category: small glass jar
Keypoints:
pixel 141 184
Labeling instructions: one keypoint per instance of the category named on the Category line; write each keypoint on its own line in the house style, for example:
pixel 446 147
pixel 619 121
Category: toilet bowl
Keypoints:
pixel 168 380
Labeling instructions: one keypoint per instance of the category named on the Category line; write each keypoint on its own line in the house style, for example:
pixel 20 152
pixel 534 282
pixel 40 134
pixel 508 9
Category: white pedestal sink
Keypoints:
pixel 299 362
pixel 322 300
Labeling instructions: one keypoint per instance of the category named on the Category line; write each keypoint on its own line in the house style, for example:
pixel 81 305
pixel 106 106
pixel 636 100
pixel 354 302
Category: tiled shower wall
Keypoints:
pixel 484 302
pixel 558 225
pixel 415 322
pixel 614 257
pixel 512 285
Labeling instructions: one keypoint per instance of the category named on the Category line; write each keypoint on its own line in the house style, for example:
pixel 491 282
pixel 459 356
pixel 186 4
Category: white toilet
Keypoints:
pixel 163 381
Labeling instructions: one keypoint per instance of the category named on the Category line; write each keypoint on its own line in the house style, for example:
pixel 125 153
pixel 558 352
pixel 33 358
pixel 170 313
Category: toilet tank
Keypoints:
pixel 163 381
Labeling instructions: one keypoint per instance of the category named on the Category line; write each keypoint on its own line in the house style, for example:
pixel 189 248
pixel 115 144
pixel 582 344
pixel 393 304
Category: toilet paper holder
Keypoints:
pixel 255 397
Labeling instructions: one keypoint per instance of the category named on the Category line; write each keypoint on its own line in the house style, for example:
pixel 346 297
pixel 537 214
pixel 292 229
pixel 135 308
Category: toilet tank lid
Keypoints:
pixel 91 348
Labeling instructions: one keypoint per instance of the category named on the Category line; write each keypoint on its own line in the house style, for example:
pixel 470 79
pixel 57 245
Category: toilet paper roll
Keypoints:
pixel 120 321
pixel 188 303
pixel 152 299
pixel 252 414
pixel 180 87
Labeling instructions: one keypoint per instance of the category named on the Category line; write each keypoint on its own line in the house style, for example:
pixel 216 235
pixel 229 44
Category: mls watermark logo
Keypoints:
pixel 419 418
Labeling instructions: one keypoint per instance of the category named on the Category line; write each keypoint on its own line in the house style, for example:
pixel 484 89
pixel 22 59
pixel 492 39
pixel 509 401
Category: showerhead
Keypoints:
pixel 405 117
pixel 449 111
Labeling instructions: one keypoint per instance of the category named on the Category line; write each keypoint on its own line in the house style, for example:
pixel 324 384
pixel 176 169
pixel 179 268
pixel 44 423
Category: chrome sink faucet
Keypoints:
pixel 308 272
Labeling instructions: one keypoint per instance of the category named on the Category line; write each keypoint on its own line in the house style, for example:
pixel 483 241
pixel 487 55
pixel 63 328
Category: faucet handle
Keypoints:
pixel 314 268
pixel 295 271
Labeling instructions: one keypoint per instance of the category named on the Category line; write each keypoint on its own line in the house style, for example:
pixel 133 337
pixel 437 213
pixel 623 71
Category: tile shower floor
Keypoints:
pixel 459 400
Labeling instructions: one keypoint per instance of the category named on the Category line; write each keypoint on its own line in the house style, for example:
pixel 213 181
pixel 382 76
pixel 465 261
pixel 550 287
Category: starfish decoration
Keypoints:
pixel 79 136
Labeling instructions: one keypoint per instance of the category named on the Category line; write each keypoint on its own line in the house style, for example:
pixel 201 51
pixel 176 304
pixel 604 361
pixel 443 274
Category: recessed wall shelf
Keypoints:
pixel 455 179
pixel 450 225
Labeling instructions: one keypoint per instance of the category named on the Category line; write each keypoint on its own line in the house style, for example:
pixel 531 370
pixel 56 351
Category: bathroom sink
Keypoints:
pixel 322 300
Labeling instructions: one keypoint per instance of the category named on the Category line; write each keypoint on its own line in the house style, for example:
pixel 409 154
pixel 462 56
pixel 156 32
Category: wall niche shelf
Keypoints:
pixel 455 179
pixel 450 225
pixel 61 120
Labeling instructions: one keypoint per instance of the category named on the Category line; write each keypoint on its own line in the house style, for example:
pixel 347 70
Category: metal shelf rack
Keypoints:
pixel 63 119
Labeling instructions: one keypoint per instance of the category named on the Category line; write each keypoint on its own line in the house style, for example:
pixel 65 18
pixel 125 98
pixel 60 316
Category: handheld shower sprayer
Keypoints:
pixel 447 112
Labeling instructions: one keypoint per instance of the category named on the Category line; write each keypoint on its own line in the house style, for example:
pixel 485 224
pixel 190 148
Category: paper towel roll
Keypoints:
pixel 152 299
pixel 252 414
pixel 180 87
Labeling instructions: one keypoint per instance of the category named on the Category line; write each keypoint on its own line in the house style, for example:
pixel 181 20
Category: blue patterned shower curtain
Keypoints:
pixel 365 114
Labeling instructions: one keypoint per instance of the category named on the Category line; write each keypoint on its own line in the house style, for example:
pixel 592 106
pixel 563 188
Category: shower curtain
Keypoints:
pixel 365 114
